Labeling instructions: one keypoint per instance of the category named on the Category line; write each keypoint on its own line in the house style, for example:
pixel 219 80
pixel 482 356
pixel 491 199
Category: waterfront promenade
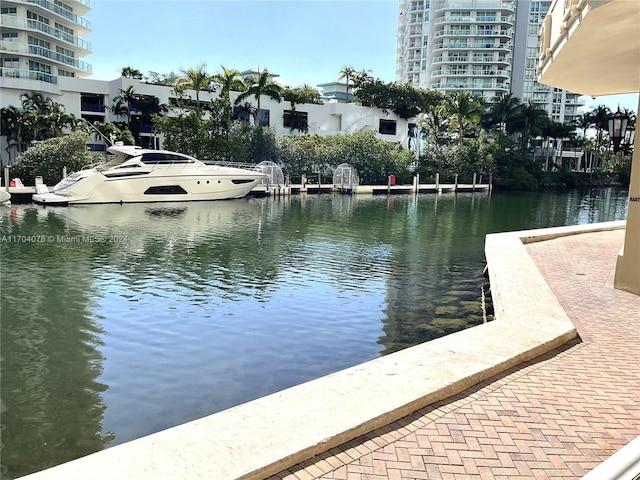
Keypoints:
pixel 556 416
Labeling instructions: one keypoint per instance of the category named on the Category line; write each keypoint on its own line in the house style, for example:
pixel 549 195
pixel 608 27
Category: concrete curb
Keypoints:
pixel 265 436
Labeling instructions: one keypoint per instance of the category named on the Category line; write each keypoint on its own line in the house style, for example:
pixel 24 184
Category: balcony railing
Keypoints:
pixel 477 6
pixel 28 75
pixel 29 24
pixel 26 49
pixel 508 19
pixel 52 7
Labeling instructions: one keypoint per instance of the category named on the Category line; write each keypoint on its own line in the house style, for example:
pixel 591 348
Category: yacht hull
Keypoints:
pixel 155 186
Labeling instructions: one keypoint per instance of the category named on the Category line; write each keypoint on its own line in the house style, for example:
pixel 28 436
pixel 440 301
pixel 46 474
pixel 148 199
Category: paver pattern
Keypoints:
pixel 557 416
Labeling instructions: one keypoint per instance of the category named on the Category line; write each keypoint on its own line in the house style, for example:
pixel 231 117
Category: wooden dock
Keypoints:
pixel 312 188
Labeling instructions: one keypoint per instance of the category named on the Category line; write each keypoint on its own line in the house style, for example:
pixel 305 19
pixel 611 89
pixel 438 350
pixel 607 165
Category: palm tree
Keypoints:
pixel 196 79
pixel 229 80
pixel 122 103
pixel 504 109
pixel 35 101
pixel 464 110
pixel 11 125
pixel 259 86
pixel 556 131
pixel 600 118
pixel 528 123
pixel 347 73
pixel 362 77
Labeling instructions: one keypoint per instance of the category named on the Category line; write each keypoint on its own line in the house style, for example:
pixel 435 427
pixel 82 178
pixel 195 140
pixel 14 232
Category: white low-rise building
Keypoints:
pixel 93 99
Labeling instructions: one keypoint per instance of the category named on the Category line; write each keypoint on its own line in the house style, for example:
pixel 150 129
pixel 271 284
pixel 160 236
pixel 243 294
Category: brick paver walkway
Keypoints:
pixel 555 417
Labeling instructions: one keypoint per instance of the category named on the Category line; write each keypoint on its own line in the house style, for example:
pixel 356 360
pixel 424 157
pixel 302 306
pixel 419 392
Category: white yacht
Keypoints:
pixel 140 175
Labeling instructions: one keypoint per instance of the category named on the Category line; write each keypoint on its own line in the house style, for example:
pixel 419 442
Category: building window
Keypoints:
pixel 34 17
pixel 10 67
pixel 38 41
pixel 387 127
pixel 10 37
pixel 65 55
pixel 63 6
pixel 40 71
pixel 67 33
pixel 296 120
pixel 9 11
pixel 486 30
pixel 486 16
pixel 264 118
pixel 65 73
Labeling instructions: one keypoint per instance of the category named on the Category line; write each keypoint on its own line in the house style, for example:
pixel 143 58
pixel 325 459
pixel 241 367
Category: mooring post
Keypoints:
pixel 437 181
pixel 455 188
pixel 474 182
pixel 6 178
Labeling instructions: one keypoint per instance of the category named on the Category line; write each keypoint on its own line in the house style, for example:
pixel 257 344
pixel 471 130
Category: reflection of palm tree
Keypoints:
pixel 347 73
pixel 259 86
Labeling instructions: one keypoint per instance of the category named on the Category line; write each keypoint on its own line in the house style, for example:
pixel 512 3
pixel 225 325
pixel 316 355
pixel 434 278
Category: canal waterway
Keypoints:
pixel 122 320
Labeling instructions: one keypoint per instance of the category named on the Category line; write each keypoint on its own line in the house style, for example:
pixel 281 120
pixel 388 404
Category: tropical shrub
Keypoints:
pixel 47 158
pixel 374 159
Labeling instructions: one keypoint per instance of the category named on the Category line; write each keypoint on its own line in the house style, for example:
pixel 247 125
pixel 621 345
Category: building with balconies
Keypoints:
pixel 466 45
pixel 41 41
pixel 489 47
pixel 561 105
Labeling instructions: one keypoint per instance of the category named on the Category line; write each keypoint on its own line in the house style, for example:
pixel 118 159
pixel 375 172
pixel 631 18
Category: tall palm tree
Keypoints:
pixel 464 110
pixel 123 102
pixel 260 85
pixel 196 79
pixel 600 117
pixel 362 77
pixel 584 122
pixel 504 109
pixel 229 80
pixel 528 123
pixel 558 132
pixel 347 73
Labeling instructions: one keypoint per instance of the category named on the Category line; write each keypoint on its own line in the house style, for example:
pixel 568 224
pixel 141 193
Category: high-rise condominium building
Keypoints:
pixel 41 41
pixel 488 47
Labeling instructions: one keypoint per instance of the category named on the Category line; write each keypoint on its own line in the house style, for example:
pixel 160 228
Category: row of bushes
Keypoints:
pixel 374 159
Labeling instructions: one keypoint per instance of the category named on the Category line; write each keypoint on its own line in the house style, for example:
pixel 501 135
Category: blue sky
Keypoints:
pixel 304 41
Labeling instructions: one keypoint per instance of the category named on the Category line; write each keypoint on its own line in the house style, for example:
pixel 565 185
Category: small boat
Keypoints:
pixel 137 175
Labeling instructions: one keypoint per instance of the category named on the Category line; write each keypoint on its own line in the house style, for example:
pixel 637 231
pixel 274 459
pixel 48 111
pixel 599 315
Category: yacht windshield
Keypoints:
pixel 164 158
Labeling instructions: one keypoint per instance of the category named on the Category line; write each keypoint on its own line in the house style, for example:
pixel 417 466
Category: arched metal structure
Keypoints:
pixel 275 177
pixel 345 176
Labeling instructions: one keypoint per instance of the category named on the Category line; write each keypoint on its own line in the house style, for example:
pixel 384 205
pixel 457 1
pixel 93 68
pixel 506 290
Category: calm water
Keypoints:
pixel 119 321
